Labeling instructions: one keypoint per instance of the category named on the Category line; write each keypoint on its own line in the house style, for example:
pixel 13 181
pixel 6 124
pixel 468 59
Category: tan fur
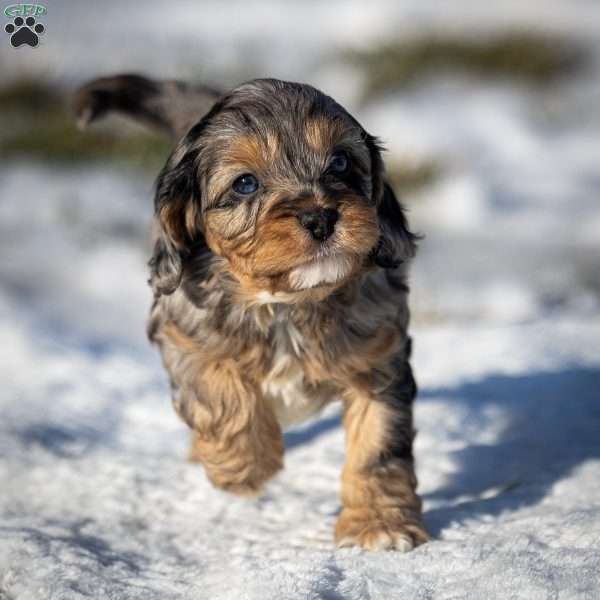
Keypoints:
pixel 254 152
pixel 272 303
pixel 322 133
pixel 380 507
pixel 256 256
pixel 171 219
pixel 236 435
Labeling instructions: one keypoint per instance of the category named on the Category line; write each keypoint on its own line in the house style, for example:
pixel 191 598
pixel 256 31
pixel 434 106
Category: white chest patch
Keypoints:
pixel 284 384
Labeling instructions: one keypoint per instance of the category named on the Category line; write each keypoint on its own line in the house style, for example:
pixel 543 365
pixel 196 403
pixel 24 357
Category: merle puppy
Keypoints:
pixel 279 279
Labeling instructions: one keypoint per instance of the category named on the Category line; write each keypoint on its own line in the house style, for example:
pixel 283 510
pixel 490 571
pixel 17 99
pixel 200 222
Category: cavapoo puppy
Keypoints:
pixel 279 279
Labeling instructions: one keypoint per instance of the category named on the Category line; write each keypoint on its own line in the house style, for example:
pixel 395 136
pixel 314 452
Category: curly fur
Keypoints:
pixel 260 325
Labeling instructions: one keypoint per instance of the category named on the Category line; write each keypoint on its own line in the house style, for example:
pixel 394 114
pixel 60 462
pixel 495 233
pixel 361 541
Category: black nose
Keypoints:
pixel 320 222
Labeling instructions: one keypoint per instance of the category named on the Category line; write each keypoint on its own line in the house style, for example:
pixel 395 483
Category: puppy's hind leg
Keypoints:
pixel 381 509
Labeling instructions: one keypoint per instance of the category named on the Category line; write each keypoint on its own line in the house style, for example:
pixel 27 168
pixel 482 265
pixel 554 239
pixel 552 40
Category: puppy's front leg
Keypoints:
pixel 236 435
pixel 381 509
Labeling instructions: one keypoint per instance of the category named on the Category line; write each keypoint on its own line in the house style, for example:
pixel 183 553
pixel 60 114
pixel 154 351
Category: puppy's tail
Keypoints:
pixel 171 106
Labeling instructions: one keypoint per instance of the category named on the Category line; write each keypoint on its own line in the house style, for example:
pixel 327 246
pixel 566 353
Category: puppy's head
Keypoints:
pixel 281 182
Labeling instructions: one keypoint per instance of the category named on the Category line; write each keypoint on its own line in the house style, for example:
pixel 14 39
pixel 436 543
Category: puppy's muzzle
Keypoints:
pixel 319 222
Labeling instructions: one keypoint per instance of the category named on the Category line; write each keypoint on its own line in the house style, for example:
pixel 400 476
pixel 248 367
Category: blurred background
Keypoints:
pixel 490 113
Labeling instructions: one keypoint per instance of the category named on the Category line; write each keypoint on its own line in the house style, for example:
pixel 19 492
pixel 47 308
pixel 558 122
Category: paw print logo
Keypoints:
pixel 24 31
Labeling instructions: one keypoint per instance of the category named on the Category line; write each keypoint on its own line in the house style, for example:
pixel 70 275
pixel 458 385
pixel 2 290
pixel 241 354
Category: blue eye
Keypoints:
pixel 339 163
pixel 245 184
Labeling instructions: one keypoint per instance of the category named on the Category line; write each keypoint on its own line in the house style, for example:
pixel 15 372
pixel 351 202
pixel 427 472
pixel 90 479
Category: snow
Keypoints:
pixel 96 499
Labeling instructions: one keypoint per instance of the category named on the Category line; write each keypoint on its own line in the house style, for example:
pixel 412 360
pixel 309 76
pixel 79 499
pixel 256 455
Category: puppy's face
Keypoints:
pixel 282 183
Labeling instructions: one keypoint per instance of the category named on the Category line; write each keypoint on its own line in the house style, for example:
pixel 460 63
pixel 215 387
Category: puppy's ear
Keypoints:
pixel 176 205
pixel 396 242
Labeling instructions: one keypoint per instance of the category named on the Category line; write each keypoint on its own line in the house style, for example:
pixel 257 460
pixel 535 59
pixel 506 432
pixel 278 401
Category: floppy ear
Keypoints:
pixel 176 206
pixel 396 242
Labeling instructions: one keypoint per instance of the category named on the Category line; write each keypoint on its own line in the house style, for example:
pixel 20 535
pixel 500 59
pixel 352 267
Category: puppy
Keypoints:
pixel 279 279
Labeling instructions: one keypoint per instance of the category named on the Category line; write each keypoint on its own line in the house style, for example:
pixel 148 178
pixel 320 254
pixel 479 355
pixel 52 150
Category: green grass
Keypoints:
pixel 526 57
pixel 29 95
pixel 55 139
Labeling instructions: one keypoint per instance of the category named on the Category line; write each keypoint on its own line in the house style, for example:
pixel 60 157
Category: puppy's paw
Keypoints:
pixel 249 480
pixel 238 473
pixel 391 529
pixel 250 486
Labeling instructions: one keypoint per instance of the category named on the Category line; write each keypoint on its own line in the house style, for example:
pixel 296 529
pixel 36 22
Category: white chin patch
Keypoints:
pixel 328 269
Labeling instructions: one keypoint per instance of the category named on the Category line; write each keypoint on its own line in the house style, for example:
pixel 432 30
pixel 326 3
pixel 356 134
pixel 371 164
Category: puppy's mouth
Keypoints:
pixel 325 269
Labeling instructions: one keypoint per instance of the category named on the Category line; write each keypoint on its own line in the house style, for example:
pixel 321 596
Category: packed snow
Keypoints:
pixel 96 498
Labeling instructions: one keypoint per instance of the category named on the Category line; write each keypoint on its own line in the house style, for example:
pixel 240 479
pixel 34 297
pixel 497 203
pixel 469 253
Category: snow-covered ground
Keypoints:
pixel 96 500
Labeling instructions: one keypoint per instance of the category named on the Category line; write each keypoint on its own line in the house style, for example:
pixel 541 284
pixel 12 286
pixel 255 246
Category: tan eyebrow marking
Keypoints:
pixel 322 133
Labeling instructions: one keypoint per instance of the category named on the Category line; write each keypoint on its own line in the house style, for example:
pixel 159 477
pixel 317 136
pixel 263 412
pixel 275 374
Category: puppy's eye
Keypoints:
pixel 339 163
pixel 245 184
